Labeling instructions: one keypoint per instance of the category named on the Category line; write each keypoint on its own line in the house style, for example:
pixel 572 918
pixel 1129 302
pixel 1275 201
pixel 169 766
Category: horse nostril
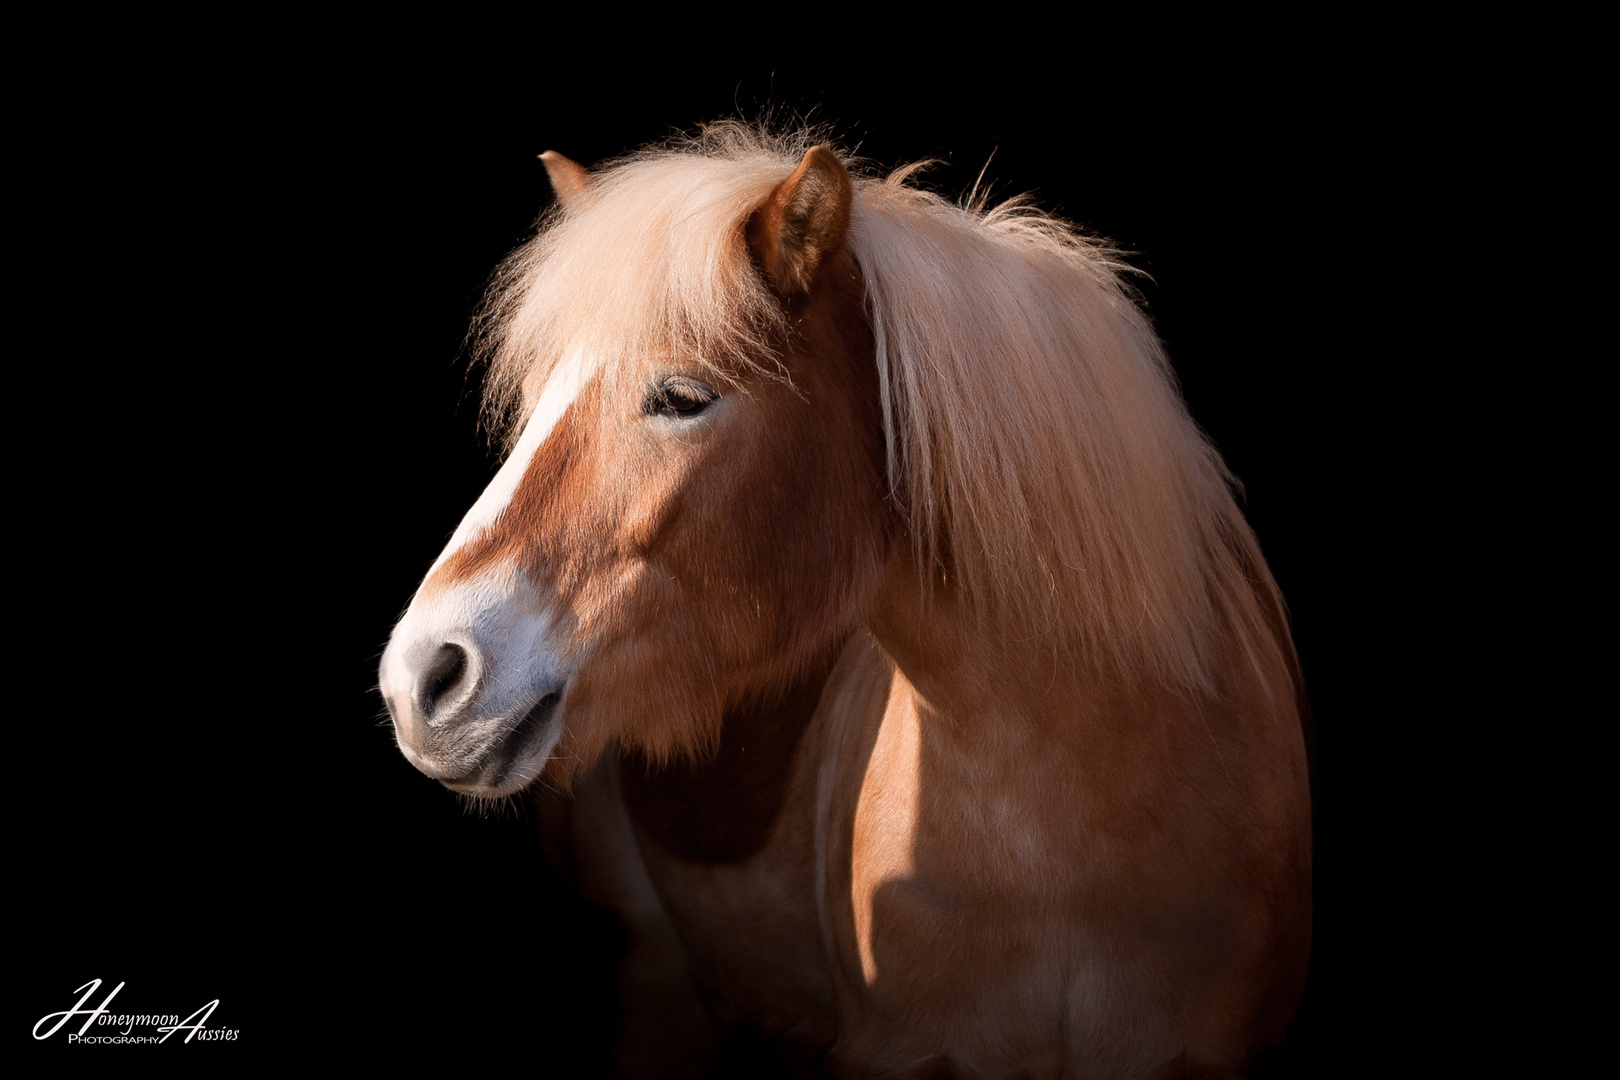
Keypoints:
pixel 441 677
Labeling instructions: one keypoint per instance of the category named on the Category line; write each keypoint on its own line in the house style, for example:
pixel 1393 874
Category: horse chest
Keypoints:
pixel 729 844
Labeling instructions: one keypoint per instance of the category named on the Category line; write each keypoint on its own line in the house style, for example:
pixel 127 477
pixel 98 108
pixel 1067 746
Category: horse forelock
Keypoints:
pixel 1036 438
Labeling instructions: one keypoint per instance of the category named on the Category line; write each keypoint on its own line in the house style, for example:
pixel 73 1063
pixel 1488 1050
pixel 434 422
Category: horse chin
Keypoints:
pixel 506 761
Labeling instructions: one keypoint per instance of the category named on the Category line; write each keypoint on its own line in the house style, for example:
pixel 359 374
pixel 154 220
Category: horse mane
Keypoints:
pixel 1037 440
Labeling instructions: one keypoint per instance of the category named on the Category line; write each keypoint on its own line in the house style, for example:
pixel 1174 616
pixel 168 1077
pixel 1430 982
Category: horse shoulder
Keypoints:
pixel 1042 881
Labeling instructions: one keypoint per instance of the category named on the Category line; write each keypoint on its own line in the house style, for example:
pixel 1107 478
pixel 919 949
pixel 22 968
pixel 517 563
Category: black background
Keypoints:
pixel 245 337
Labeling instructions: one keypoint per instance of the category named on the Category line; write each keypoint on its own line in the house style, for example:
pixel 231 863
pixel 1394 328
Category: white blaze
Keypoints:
pixel 567 379
pixel 503 621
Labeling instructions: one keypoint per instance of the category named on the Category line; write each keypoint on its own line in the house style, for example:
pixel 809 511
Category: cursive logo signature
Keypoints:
pixel 163 1025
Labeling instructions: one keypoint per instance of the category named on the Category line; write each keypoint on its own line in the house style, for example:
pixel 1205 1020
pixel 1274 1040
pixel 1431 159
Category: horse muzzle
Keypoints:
pixel 474 701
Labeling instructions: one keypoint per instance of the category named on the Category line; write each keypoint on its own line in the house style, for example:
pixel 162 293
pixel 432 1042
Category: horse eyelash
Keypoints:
pixel 659 399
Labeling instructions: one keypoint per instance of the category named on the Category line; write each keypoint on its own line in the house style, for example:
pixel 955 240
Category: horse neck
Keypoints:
pixel 998 728
pixel 1002 707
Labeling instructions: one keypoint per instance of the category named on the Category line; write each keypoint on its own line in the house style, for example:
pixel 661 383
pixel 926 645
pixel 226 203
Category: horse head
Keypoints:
pixel 689 514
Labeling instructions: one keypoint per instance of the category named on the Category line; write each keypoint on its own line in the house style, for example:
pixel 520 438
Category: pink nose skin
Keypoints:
pixel 426 687
pixel 429 685
pixel 399 708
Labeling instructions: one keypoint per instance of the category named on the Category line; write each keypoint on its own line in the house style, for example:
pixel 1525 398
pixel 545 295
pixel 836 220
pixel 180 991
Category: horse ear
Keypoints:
pixel 802 221
pixel 568 178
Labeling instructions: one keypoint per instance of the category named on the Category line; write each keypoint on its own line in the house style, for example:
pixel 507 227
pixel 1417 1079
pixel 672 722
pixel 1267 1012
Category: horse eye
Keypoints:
pixel 679 396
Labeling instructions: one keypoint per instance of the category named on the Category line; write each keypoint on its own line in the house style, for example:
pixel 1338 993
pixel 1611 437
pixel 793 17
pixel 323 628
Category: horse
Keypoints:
pixel 925 704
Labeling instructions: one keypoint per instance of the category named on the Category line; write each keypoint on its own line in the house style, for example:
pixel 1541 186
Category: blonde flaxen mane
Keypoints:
pixel 1036 438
